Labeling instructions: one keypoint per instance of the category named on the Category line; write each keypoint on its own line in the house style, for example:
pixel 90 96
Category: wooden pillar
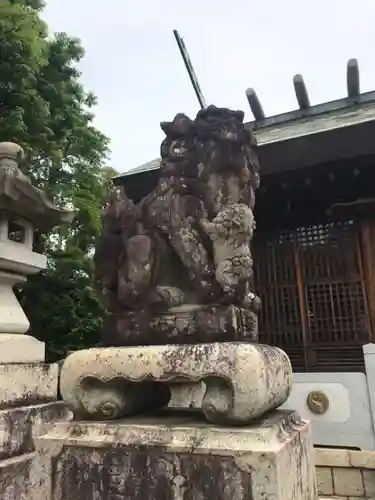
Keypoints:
pixel 367 247
pixel 303 309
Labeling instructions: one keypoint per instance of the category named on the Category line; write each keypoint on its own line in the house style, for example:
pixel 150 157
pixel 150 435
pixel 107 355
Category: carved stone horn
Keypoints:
pixel 165 126
pixel 181 125
pixel 240 115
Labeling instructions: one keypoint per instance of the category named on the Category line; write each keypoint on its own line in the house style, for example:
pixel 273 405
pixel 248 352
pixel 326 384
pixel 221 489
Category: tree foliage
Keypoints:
pixel 45 108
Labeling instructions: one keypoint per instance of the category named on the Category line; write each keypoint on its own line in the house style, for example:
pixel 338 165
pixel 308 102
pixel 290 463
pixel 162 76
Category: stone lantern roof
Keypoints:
pixel 19 197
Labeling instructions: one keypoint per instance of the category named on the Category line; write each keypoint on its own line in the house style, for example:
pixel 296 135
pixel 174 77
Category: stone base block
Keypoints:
pixel 20 426
pixel 20 470
pixel 26 384
pixel 178 457
pixel 18 348
pixel 188 324
pixel 15 477
pixel 242 381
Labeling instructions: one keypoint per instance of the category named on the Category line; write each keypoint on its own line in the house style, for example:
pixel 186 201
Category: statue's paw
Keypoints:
pixel 169 296
pixel 252 302
pixel 211 290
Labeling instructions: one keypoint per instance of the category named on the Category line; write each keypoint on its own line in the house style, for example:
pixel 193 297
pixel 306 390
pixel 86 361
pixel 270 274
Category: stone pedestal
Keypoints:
pixel 28 408
pixel 17 348
pixel 27 384
pixel 177 457
pixel 242 381
pixel 187 324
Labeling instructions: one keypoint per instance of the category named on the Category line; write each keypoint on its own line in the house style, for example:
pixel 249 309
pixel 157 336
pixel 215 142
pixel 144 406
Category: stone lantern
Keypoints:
pixel 24 209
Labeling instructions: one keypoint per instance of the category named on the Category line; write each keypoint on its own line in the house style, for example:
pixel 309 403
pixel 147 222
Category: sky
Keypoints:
pixel 133 65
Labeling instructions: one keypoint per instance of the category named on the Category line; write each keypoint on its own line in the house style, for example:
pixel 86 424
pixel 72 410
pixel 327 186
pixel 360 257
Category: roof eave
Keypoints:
pixel 329 116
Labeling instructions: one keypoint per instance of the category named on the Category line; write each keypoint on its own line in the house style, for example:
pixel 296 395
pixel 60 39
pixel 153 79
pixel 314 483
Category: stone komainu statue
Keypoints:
pixel 165 265
pixel 176 275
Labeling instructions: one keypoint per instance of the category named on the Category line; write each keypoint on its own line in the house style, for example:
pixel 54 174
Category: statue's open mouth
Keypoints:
pixel 179 151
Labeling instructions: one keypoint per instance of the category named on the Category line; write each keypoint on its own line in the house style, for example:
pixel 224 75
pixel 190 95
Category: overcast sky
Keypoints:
pixel 133 65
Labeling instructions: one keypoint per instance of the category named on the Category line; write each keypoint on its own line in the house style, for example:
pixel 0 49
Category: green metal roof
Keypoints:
pixel 145 167
pixel 352 110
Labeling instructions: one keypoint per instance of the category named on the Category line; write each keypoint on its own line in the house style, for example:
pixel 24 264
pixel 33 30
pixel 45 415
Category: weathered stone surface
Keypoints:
pixel 187 395
pixel 25 384
pixel 348 482
pixel 187 243
pixel 20 426
pixel 361 459
pixel 186 324
pixel 243 381
pixel 18 348
pixel 15 475
pixel 369 483
pixel 327 457
pixel 178 458
pixel 20 471
pixel 324 480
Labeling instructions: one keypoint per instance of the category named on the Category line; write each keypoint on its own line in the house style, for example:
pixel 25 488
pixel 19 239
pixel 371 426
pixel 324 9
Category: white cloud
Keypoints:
pixel 133 64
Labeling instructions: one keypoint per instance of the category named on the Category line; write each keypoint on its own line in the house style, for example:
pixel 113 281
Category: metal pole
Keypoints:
pixel 190 69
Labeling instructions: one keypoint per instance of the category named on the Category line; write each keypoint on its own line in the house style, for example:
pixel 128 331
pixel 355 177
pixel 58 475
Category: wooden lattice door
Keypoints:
pixel 313 295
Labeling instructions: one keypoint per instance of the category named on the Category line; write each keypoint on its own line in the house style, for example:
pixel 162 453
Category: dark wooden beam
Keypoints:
pixel 255 105
pixel 352 78
pixel 301 92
